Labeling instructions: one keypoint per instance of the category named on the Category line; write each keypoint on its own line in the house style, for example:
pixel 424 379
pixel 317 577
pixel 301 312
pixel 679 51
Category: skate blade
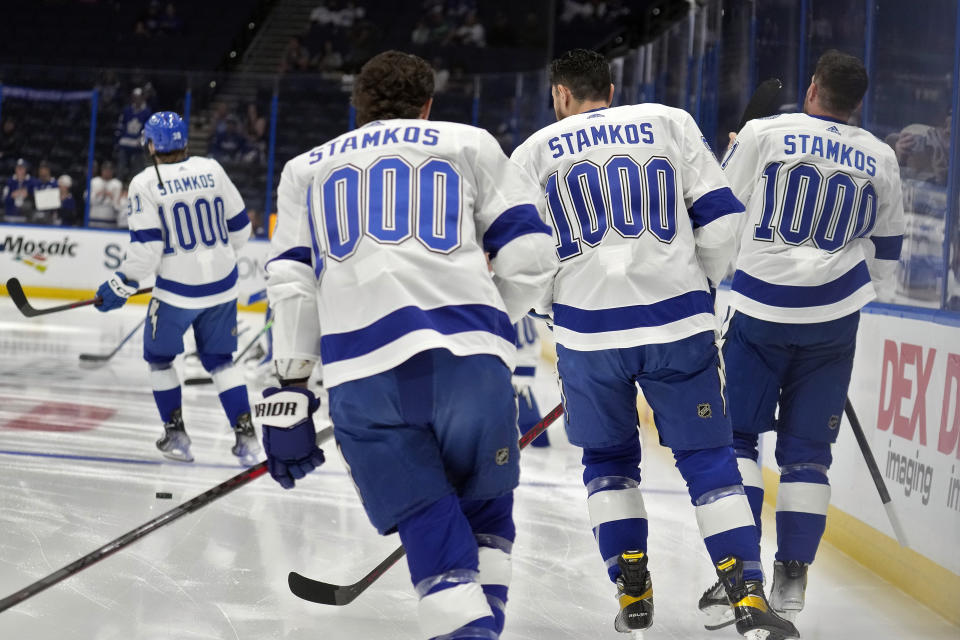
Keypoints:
pixel 718 617
pixel 769 634
pixel 178 455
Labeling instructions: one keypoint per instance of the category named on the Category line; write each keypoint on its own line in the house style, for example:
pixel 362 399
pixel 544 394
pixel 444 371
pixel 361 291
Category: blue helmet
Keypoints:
pixel 167 130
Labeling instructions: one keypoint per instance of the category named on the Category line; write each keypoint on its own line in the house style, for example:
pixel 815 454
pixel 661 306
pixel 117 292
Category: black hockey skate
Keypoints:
pixel 789 587
pixel 175 443
pixel 635 593
pixel 716 608
pixel 754 617
pixel 247 447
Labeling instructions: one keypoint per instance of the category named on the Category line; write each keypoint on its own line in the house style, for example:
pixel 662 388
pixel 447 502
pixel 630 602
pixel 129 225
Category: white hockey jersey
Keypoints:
pixel 105 197
pixel 823 201
pixel 528 350
pixel 380 242
pixel 642 216
pixel 187 232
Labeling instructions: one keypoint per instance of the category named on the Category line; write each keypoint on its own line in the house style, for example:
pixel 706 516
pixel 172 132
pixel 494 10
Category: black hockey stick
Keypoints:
pixel 875 474
pixel 763 102
pixel 15 291
pixel 339 595
pixel 130 537
pixel 96 357
pixel 256 338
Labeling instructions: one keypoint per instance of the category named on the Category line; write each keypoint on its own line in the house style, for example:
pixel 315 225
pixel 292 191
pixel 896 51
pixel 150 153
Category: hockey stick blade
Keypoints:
pixel 340 595
pixel 96 357
pixel 763 102
pixel 16 293
pixel 192 382
pixel 132 536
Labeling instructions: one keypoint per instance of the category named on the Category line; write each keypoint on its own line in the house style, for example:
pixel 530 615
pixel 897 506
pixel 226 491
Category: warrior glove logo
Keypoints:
pixel 834 422
pixel 704 410
pixel 503 456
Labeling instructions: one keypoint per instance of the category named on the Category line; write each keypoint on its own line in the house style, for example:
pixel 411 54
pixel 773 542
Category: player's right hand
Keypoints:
pixel 113 293
pixel 285 417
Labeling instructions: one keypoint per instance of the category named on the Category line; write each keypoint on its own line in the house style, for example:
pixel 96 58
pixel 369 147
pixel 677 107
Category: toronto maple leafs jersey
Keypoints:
pixel 186 230
pixel 380 243
pixel 823 202
pixel 642 217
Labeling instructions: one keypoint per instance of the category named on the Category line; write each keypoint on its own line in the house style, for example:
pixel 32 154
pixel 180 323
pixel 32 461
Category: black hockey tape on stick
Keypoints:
pixel 875 474
pixel 130 537
pixel 340 595
pixel 763 102
pixel 195 381
pixel 15 291
pixel 96 357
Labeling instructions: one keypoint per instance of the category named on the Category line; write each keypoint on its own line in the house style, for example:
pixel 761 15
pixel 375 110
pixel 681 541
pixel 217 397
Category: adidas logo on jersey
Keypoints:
pixel 833 129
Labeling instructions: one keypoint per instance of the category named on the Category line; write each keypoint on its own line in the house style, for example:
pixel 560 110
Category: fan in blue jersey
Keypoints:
pixel 824 220
pixel 645 223
pixel 380 243
pixel 187 222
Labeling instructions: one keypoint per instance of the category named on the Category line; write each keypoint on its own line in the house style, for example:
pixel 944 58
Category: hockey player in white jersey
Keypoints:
pixel 187 222
pixel 645 224
pixel 379 245
pixel 524 375
pixel 824 221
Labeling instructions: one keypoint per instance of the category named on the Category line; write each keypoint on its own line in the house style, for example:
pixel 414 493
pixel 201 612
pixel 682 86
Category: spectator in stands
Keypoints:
pixel 170 23
pixel 441 75
pixel 255 128
pixel 66 216
pixel 218 117
pixel 471 32
pixel 295 57
pixel 923 151
pixel 152 19
pixel 330 60
pixel 127 152
pixel 140 29
pixel 42 213
pixel 16 194
pixel 105 191
pixel 256 223
pixel 10 139
pixel 231 145
pixel 421 33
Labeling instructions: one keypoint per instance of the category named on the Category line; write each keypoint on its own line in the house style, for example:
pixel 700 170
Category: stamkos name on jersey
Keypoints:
pixel 188 183
pixel 599 135
pixel 831 150
pixel 375 137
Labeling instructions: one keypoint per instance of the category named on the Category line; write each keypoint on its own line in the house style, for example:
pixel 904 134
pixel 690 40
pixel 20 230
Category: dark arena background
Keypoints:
pixel 259 82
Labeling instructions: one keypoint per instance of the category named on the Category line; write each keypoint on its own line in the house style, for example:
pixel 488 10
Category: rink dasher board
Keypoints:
pixel 67 262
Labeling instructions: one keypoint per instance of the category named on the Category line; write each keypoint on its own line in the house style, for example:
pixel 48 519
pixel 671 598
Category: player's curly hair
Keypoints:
pixel 842 81
pixel 585 73
pixel 392 84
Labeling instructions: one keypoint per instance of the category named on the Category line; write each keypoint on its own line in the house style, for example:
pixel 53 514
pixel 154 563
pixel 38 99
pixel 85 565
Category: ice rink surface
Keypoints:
pixel 78 468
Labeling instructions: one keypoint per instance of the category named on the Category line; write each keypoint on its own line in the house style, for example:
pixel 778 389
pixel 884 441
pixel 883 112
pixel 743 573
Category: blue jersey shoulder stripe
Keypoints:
pixel 887 247
pixel 146 235
pixel 714 204
pixel 633 317
pixel 525 371
pixel 198 290
pixel 296 254
pixel 513 223
pixel 794 296
pixel 445 320
pixel 238 221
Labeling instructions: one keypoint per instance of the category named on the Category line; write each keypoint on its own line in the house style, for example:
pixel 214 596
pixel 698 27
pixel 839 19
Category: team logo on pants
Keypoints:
pixel 704 410
pixel 503 456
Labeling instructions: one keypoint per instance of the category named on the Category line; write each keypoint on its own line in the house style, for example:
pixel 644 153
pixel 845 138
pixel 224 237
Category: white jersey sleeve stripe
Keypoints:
pixel 713 205
pixel 887 247
pixel 635 316
pixel 447 320
pixel 794 296
pixel 198 290
pixel 511 224
pixel 146 235
pixel 295 254
pixel 238 221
